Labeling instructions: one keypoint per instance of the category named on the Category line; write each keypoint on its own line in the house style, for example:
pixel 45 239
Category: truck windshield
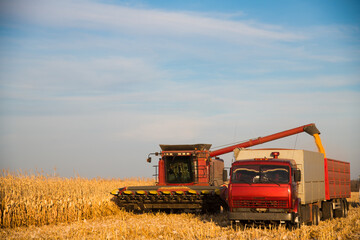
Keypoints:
pixel 179 169
pixel 260 174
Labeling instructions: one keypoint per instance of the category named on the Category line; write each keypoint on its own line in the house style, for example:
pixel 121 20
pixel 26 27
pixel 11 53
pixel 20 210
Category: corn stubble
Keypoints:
pixel 38 206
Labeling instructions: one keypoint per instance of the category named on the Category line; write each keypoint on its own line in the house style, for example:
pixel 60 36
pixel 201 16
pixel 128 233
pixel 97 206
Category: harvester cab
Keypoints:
pixel 189 165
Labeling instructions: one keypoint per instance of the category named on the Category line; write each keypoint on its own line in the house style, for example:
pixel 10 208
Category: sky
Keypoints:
pixel 89 88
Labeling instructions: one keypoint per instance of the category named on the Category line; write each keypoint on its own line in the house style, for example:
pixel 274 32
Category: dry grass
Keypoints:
pixel 35 199
pixel 354 197
pixel 126 225
pixel 70 216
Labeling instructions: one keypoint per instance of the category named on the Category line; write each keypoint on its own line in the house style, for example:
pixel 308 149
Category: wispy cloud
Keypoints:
pixel 93 15
pixel 70 73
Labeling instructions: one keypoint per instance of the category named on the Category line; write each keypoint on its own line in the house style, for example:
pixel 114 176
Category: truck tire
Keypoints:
pixel 238 225
pixel 346 208
pixel 338 213
pixel 296 219
pixel 315 215
pixel 327 211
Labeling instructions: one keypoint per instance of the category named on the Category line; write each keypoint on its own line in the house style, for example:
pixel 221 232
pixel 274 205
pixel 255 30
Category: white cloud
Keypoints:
pixel 217 117
pixel 161 128
pixel 56 75
pixel 92 15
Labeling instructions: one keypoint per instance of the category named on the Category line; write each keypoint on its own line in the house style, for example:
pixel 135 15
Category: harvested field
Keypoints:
pixel 37 206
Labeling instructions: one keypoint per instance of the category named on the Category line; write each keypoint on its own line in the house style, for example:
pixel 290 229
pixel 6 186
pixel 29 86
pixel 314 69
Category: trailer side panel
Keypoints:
pixel 338 177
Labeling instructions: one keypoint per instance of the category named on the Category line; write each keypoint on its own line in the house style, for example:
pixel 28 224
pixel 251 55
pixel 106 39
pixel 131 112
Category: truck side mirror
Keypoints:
pixel 297 175
pixel 148 160
pixel 225 178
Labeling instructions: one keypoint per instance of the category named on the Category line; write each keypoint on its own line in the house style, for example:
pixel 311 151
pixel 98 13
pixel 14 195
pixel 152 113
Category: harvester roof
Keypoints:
pixel 184 147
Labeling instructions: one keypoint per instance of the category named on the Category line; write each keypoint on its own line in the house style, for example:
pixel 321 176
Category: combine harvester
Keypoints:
pixel 191 177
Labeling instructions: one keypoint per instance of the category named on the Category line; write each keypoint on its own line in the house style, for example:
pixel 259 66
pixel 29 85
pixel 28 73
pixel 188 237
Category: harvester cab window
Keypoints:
pixel 260 174
pixel 179 169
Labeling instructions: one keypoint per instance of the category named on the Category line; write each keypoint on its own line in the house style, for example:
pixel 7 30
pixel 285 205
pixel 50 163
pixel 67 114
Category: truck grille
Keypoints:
pixel 260 203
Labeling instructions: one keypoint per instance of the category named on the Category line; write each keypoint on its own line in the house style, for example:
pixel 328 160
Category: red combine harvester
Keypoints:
pixel 190 177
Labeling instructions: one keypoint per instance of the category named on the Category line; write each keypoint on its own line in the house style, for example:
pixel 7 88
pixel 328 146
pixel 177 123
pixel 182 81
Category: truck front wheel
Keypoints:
pixel 295 222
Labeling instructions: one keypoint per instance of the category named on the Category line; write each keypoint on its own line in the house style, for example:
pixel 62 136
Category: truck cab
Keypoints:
pixel 263 189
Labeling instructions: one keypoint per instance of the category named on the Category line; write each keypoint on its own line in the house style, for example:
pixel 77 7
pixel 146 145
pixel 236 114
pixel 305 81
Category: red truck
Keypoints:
pixel 287 186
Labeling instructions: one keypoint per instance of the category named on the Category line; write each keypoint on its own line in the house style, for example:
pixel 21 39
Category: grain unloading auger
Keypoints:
pixel 191 176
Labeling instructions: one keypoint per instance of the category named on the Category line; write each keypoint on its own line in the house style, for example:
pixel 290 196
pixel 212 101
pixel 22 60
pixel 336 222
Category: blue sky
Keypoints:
pixel 91 87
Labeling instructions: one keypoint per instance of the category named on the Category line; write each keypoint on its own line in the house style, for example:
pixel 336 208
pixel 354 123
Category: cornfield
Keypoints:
pixel 36 200
pixel 48 207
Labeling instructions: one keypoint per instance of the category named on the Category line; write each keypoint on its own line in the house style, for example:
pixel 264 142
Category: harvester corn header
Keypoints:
pixel 191 177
